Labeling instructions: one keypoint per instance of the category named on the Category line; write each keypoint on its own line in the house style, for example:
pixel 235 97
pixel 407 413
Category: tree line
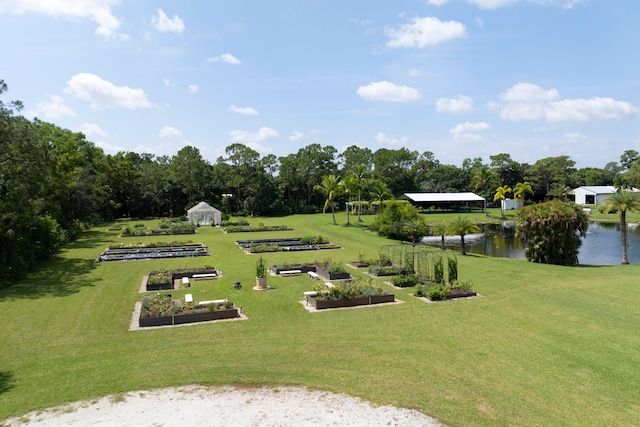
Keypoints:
pixel 54 182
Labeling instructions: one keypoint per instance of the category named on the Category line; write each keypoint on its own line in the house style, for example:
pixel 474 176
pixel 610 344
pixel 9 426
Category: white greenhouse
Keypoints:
pixel 204 214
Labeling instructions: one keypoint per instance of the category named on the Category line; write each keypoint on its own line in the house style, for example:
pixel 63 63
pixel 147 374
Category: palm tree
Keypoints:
pixel 380 192
pixel 349 185
pixel 623 200
pixel 330 187
pixel 521 189
pixel 559 191
pixel 501 194
pixel 440 229
pixel 483 179
pixel 461 227
pixel 361 174
pixel 415 228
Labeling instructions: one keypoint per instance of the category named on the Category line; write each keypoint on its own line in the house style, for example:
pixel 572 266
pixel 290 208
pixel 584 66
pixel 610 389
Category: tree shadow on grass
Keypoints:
pixel 7 381
pixel 58 276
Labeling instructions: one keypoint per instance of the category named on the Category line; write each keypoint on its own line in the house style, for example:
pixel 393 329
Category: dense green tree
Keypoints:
pixel 354 156
pixel 623 200
pixel 393 221
pixel 550 231
pixel 508 170
pixel 483 181
pixel 190 173
pixel 394 168
pixel 628 159
pixel 548 171
pixel 380 192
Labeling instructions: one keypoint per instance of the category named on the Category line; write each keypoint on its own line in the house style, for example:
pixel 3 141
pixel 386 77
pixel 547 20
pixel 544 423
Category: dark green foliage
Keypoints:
pixel 453 269
pixel 400 221
pixel 438 270
pixel 405 281
pixel 551 231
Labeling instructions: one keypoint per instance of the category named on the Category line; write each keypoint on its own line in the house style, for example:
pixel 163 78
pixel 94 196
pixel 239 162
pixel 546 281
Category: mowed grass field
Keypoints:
pixel 546 345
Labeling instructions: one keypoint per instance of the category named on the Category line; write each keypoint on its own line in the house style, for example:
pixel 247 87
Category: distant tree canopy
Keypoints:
pixel 54 182
pixel 551 231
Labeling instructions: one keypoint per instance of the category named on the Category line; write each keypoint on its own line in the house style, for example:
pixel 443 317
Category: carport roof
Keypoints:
pixel 443 197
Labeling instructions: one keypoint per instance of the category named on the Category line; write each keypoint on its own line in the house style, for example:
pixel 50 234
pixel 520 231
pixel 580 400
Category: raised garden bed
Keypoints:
pixel 161 280
pixel 248 229
pixel 333 275
pixel 154 252
pixel 304 268
pixel 283 244
pixel 161 310
pixel 321 304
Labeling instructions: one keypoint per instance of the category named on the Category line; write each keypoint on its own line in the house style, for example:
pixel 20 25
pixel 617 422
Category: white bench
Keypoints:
pixel 329 285
pixel 205 276
pixel 188 298
pixel 185 282
pixel 313 275
pixel 213 301
pixel 290 272
pixel 309 294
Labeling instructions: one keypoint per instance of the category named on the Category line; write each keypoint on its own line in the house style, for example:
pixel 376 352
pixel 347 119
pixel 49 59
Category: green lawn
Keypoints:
pixel 547 345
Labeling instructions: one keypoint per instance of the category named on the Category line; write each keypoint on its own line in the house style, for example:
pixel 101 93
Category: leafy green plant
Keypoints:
pixel 438 292
pixel 260 268
pixel 405 280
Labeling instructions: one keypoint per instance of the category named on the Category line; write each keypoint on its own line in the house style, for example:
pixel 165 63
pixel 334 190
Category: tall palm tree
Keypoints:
pixel 349 186
pixel 521 189
pixel 462 226
pixel 361 174
pixel 380 192
pixel 501 194
pixel 415 228
pixel 330 187
pixel 440 229
pixel 623 200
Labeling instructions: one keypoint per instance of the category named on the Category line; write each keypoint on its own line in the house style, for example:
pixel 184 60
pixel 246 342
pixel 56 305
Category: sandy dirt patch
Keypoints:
pixel 214 406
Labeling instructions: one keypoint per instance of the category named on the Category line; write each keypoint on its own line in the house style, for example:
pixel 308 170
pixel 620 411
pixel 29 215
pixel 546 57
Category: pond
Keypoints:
pixel 602 246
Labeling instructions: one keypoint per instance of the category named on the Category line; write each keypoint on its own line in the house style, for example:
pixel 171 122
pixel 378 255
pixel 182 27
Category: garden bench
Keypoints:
pixel 329 285
pixel 290 272
pixel 185 282
pixel 213 301
pixel 188 298
pixel 313 275
pixel 205 276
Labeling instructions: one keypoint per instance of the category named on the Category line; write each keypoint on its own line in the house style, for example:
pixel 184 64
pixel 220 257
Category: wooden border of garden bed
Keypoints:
pixel 427 300
pixel 135 319
pixel 312 309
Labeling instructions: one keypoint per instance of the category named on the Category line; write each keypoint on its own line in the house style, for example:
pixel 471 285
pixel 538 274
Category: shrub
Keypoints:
pixel 405 281
pixel 337 269
pixel 438 292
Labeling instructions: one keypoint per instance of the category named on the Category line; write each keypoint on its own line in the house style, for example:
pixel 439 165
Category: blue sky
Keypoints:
pixel 459 78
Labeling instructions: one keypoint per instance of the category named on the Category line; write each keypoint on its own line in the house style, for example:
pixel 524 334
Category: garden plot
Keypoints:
pixel 156 252
pixel 285 244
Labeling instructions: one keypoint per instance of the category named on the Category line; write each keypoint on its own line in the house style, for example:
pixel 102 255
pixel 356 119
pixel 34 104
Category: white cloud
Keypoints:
pixel 381 138
pixel 467 132
pixel 574 137
pixel 526 101
pixel 169 132
pixel 459 105
pixel 54 109
pixel 387 91
pixel 315 132
pixel 491 4
pixel 163 24
pixel 92 130
pixel 168 83
pixel 109 148
pixel 527 92
pixel 104 94
pixel 437 2
pixel 296 136
pixel 193 88
pixel 247 111
pixel 243 137
pixel 226 58
pixel 424 31
pixel 97 10
pixel 494 4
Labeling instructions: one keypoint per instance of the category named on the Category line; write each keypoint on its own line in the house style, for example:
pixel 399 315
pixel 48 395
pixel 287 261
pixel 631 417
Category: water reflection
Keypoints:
pixel 602 246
